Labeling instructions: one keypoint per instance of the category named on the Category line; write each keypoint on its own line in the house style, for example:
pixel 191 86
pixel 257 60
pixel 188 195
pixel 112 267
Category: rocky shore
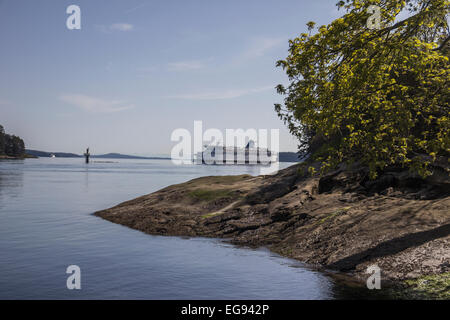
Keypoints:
pixel 342 221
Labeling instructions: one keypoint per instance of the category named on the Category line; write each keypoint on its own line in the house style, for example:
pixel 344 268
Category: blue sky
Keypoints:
pixel 139 69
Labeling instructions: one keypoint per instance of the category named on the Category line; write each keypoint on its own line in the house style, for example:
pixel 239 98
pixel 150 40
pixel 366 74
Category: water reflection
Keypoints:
pixel 11 180
pixel 46 224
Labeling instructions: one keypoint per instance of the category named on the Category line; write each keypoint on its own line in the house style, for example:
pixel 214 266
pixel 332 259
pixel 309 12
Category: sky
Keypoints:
pixel 137 70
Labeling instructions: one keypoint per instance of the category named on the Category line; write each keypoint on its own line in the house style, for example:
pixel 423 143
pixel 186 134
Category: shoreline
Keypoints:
pixel 340 222
pixel 26 156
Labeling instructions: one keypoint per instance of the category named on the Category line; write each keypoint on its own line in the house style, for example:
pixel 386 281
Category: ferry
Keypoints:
pixel 250 155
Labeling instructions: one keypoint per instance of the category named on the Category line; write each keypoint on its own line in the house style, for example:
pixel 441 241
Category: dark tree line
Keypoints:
pixel 11 145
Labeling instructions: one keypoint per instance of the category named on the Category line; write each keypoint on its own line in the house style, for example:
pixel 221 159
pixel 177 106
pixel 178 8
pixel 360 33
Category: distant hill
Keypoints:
pixel 46 154
pixel 288 157
pixel 283 156
pixel 125 156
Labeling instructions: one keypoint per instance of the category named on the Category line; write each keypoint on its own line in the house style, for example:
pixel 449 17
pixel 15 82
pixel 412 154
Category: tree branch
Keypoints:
pixel 442 44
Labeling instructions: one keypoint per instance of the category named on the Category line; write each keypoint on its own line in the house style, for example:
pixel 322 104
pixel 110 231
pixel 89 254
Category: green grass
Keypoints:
pixel 430 287
pixel 226 180
pixel 334 214
pixel 213 214
pixel 210 195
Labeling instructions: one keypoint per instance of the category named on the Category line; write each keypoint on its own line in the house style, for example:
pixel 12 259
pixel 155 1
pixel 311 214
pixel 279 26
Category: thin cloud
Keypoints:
pixel 185 65
pixel 95 105
pixel 121 27
pixel 228 94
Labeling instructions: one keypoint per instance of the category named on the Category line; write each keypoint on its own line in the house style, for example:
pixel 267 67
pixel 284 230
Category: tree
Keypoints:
pixel 380 97
pixel 11 145
pixel 2 140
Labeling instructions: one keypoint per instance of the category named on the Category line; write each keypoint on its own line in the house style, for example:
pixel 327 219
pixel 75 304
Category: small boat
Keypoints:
pixel 52 156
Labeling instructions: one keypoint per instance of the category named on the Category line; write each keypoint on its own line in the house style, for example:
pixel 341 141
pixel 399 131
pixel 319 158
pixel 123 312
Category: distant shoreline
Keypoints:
pixel 283 156
pixel 45 154
pixel 26 156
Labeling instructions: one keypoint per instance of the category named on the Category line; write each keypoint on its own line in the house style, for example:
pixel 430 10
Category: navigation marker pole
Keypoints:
pixel 86 155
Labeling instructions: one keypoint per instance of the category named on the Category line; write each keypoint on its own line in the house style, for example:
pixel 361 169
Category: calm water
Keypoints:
pixel 46 224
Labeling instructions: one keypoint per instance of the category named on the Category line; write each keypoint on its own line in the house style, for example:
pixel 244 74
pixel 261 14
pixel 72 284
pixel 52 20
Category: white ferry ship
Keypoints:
pixel 250 155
